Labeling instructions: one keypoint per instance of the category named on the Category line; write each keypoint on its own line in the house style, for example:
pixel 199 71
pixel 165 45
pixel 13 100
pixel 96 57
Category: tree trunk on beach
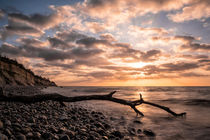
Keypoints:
pixel 60 98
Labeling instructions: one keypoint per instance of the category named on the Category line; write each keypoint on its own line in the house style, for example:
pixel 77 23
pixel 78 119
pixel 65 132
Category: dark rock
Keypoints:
pixel 36 135
pixel 21 137
pixel 132 131
pixel 70 133
pixel 64 137
pixel 43 117
pixel 149 132
pixel 3 137
pixel 1 125
pixel 26 130
pixel 7 122
pixel 137 121
pixel 47 135
pixel 101 132
pixel 139 131
pixel 31 120
pixel 107 126
pixel 74 118
pixel 117 134
pixel 63 118
pixel 105 138
pixel 16 125
pixel 29 135
pixel 8 132
pixel 98 125
pixel 53 129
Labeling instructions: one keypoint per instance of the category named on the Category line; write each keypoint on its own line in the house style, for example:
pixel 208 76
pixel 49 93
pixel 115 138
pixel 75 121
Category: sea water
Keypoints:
pixel 195 101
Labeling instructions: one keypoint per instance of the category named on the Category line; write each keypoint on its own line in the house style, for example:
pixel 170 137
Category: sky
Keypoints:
pixel 110 42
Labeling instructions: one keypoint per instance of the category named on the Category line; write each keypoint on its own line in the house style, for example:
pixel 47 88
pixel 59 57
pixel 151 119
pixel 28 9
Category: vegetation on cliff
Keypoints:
pixel 14 73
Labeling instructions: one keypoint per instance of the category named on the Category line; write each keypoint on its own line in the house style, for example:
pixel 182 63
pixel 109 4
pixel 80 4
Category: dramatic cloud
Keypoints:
pixel 125 9
pixel 37 20
pixel 136 31
pixel 196 10
pixel 10 30
pixel 110 41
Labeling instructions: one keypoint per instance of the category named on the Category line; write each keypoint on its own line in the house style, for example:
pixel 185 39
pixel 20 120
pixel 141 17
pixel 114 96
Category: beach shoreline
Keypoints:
pixel 49 120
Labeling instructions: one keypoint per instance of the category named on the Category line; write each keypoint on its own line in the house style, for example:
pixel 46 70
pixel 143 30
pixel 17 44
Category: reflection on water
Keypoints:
pixel 193 100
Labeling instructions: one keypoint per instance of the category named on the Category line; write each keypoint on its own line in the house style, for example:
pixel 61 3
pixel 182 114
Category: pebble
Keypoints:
pixel 21 137
pixel 48 120
pixel 8 122
pixel 3 137
pixel 64 137
pixel 149 132
pixel 1 125
pixel 137 121
pixel 132 131
pixel 117 134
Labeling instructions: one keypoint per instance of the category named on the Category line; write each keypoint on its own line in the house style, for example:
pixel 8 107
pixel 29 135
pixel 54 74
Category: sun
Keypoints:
pixel 137 64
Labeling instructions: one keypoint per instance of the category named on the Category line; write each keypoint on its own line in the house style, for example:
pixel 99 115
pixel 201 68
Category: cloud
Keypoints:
pixel 192 74
pixel 107 36
pixel 10 30
pixel 196 10
pixel 190 45
pixel 179 66
pixel 1 14
pixel 150 55
pixel 95 27
pixel 127 8
pixel 9 49
pixel 70 36
pixel 58 43
pixel 36 20
pixel 187 43
pixel 139 31
pixel 195 47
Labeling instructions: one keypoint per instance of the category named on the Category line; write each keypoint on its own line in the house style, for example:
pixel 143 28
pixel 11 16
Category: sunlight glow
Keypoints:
pixel 137 64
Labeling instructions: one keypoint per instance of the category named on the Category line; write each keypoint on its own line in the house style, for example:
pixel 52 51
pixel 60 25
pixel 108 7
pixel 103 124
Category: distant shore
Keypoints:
pixel 48 120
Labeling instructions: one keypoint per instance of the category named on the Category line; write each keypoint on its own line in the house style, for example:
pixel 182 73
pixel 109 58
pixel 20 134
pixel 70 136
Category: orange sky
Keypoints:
pixel 112 42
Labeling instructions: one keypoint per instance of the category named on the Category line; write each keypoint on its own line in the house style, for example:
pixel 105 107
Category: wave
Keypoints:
pixel 198 102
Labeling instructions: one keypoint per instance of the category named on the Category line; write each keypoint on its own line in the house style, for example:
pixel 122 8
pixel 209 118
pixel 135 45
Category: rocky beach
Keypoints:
pixel 50 120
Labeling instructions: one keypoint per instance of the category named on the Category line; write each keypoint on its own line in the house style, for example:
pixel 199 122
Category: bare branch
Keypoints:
pixel 60 98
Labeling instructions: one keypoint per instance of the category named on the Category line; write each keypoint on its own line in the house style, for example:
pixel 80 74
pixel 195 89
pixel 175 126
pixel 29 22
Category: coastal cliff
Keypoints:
pixel 13 73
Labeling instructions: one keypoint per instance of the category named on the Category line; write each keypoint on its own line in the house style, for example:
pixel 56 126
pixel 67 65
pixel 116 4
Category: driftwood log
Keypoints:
pixel 60 98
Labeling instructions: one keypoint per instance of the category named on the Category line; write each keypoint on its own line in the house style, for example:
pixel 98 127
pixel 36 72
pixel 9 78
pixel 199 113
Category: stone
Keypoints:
pixel 98 125
pixel 132 131
pixel 101 132
pixel 7 122
pixel 149 132
pixel 137 121
pixel 3 137
pixel 43 117
pixel 70 133
pixel 36 135
pixel 26 130
pixel 139 131
pixel 47 135
pixel 21 137
pixel 105 138
pixel 63 118
pixel 29 135
pixel 53 129
pixel 31 120
pixel 117 134
pixel 17 125
pixel 1 125
pixel 64 137
pixel 8 132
